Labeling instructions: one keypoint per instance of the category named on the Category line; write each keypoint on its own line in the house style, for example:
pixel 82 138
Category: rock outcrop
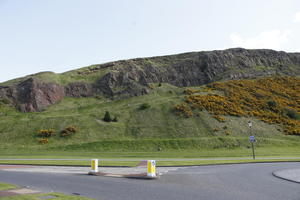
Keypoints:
pixel 33 95
pixel 132 77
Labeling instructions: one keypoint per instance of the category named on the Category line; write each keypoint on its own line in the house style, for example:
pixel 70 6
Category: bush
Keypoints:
pixel 98 97
pixel 5 101
pixel 115 119
pixel 265 99
pixel 70 130
pixel 227 133
pixel 219 118
pixel 185 109
pixel 292 114
pixel 190 91
pixel 46 133
pixel 216 129
pixel 272 103
pixel 43 141
pixel 144 106
pixel 107 117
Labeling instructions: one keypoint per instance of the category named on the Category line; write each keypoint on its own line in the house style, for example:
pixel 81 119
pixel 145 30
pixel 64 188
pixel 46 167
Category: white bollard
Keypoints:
pixel 151 168
pixel 94 166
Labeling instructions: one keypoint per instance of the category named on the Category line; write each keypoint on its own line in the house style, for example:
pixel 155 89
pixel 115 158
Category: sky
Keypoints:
pixel 61 35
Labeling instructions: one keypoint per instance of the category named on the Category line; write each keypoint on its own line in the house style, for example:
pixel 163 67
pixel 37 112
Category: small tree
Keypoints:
pixel 107 117
pixel 115 119
pixel 144 106
pixel 272 103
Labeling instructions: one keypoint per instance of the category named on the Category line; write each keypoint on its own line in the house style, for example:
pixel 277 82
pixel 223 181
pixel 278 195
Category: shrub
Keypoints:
pixel 46 133
pixel 144 106
pixel 216 129
pixel 227 133
pixel 185 109
pixel 292 114
pixel 219 118
pixel 115 119
pixel 107 117
pixel 190 91
pixel 5 101
pixel 43 141
pixel 272 103
pixel 98 97
pixel 70 130
pixel 265 99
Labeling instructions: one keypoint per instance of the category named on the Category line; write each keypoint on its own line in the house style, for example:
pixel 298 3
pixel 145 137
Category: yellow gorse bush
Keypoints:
pixel 267 99
pixel 46 133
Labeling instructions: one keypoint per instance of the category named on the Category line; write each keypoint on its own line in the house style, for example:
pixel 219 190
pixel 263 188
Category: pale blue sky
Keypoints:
pixel 60 35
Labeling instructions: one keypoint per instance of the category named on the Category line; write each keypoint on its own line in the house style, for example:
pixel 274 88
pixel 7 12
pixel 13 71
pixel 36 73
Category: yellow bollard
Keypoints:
pixel 94 166
pixel 151 168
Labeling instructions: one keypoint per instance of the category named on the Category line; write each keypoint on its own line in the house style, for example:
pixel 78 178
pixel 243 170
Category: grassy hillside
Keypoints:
pixel 144 123
pixel 92 73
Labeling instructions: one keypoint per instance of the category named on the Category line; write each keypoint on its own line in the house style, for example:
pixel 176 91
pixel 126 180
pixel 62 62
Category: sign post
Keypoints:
pixel 252 140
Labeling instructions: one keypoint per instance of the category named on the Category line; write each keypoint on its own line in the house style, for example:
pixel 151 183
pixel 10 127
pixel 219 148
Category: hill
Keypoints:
pixel 189 101
pixel 128 78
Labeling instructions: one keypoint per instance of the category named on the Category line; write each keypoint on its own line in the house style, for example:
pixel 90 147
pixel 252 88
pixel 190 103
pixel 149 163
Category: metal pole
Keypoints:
pixel 253 150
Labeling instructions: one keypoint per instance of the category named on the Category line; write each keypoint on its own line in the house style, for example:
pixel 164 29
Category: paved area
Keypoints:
pixel 219 182
pixel 85 170
pixel 289 174
pixel 14 166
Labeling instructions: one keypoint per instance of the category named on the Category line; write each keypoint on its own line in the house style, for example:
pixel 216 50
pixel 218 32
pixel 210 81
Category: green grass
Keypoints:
pixel 6 186
pixel 92 73
pixel 153 132
pixel 56 196
pixel 133 158
pixel 79 75
pixel 159 162
pixel 220 162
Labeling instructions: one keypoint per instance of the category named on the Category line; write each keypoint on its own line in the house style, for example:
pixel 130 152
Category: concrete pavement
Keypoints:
pixel 108 171
pixel 289 174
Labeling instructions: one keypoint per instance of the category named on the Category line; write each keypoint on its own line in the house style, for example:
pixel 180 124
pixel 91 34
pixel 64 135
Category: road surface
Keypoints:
pixel 218 182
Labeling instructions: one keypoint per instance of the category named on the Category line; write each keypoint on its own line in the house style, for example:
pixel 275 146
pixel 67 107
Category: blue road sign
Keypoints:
pixel 252 139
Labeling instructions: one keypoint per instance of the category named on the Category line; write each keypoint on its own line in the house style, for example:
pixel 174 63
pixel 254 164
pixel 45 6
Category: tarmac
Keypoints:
pixel 286 174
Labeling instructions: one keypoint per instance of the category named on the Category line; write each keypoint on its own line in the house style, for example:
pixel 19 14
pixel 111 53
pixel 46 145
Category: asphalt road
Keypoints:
pixel 220 182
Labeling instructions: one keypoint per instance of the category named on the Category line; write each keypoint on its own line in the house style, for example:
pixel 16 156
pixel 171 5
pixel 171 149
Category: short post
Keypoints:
pixel 253 151
pixel 151 168
pixel 251 138
pixel 94 166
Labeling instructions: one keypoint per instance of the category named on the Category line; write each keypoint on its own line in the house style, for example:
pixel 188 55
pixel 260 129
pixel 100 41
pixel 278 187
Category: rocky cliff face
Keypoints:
pixel 132 77
pixel 33 95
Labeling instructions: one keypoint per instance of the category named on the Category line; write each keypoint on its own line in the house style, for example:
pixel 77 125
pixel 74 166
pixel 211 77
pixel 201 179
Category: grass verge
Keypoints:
pixel 56 196
pixel 6 186
pixel 175 162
